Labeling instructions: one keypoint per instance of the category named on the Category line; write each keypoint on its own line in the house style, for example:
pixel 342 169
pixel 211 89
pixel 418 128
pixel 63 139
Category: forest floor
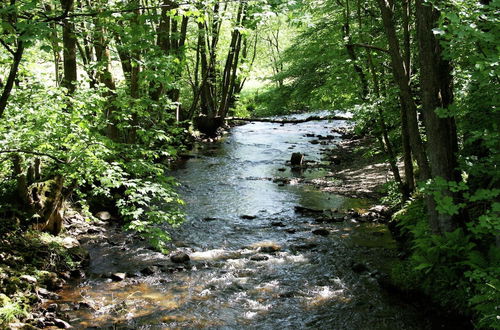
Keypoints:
pixel 356 168
pixel 360 170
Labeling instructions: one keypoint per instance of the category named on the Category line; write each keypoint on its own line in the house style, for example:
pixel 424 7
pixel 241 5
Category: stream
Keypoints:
pixel 255 261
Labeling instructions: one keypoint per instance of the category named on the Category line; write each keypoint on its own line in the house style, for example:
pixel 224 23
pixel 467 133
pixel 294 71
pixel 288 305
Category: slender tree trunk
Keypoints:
pixel 229 73
pixel 403 81
pixel 69 53
pixel 11 78
pixel 383 127
pixel 134 76
pixel 436 87
pixel 405 135
pixel 352 53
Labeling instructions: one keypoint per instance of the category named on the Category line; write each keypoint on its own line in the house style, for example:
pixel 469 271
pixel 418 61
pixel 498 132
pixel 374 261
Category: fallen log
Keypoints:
pixel 288 121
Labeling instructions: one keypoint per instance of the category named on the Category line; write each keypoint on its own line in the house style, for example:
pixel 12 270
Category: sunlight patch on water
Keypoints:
pixel 216 254
pixel 285 257
pixel 323 294
pixel 268 287
pixel 236 263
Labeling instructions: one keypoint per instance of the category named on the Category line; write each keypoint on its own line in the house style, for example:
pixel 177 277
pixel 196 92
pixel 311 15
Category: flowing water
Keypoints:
pixel 255 262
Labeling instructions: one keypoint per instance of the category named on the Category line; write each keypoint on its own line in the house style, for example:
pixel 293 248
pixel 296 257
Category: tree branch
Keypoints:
pixel 370 47
pixel 7 47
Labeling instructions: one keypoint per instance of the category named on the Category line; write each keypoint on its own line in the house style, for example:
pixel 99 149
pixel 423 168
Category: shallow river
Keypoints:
pixel 255 262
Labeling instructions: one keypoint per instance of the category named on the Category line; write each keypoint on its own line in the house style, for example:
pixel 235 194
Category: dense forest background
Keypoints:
pixel 98 97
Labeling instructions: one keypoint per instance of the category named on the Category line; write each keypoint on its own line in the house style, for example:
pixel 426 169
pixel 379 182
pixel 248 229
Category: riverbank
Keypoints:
pixel 34 266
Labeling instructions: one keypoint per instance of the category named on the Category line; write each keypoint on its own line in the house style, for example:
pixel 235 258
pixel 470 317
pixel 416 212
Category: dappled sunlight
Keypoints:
pixel 319 295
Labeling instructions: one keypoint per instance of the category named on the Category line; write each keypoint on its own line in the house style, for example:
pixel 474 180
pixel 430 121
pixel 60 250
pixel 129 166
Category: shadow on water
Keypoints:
pixel 255 261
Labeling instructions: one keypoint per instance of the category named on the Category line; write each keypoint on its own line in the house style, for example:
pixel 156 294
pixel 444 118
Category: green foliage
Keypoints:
pixel 453 269
pixel 10 311
pixel 143 206
pixel 392 195
pixel 440 189
pixel 70 144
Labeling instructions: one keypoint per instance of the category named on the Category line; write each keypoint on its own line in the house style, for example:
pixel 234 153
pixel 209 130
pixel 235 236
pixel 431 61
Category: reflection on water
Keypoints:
pixel 254 261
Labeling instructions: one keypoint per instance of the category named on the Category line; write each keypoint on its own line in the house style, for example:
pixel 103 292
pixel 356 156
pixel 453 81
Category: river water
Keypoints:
pixel 255 262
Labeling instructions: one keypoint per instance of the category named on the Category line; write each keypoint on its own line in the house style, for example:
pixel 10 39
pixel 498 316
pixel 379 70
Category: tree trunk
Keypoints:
pixel 352 54
pixel 436 87
pixel 405 136
pixel 11 78
pixel 403 81
pixel 69 53
pixel 228 77
pixel 388 145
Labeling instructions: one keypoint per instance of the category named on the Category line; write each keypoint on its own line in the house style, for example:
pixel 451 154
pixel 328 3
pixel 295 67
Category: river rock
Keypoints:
pixel 149 270
pixel 353 214
pixel 269 248
pixel 44 293
pixel 29 279
pixel 248 217
pixel 296 159
pixel 180 257
pixel 52 281
pixel 321 232
pixel 82 305
pixel 259 257
pixel 103 215
pixel 381 209
pixel 306 210
pixel 117 277
pixel 277 224
pixel 77 273
pixel 61 324
pixel 70 242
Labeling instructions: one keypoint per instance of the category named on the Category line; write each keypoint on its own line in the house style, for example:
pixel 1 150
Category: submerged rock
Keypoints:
pixel 180 257
pixel 248 217
pixel 269 248
pixel 149 270
pixel 306 210
pixel 321 232
pixel 259 257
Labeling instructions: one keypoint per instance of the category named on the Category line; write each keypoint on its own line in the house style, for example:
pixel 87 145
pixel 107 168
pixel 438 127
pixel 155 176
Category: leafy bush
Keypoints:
pixel 453 269
pixel 70 143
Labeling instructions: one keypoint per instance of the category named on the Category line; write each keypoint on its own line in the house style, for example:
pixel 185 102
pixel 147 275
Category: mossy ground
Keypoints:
pixel 32 266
